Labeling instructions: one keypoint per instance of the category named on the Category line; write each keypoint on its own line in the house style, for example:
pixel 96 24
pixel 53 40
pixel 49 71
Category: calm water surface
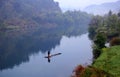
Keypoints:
pixel 75 51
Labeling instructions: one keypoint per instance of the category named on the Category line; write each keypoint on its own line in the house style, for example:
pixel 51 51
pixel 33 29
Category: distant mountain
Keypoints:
pixel 103 8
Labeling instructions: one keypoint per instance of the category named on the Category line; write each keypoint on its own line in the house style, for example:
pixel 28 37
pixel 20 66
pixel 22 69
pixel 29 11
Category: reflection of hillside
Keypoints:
pixel 15 51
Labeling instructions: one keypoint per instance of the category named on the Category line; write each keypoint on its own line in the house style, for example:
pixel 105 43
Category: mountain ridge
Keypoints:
pixel 103 8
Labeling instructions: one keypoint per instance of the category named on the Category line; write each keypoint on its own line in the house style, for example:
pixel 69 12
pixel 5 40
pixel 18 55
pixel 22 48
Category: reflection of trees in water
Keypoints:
pixel 14 51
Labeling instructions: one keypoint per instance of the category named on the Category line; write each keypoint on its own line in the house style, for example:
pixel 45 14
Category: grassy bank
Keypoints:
pixel 106 65
pixel 109 61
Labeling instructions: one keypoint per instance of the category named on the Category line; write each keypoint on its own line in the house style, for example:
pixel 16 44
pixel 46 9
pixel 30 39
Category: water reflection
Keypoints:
pixel 14 51
pixel 75 50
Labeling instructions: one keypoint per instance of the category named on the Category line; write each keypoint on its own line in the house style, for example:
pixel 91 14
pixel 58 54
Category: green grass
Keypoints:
pixel 109 61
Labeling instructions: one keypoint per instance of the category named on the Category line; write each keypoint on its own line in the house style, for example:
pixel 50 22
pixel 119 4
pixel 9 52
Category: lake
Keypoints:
pixel 75 50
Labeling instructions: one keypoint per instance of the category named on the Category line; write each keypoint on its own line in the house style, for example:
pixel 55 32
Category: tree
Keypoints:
pixel 100 40
pixel 115 41
pixel 99 43
pixel 110 13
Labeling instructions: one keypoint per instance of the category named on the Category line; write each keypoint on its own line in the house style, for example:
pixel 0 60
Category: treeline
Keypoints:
pixel 108 24
pixel 70 20
pixel 74 22
pixel 103 29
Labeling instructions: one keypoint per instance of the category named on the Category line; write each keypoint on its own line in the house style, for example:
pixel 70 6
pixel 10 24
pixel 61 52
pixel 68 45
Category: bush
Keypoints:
pixel 96 51
pixel 100 40
pixel 115 41
pixel 90 71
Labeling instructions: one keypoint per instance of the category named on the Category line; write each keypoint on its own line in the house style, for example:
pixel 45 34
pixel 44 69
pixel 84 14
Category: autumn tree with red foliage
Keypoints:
pixel 115 41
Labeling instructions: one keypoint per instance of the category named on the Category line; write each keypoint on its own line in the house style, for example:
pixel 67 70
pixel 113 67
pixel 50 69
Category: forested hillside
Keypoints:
pixel 108 24
pixel 21 17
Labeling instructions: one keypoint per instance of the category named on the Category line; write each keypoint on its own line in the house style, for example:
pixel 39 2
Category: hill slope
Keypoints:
pixel 109 61
pixel 24 15
pixel 103 8
pixel 20 8
pixel 25 9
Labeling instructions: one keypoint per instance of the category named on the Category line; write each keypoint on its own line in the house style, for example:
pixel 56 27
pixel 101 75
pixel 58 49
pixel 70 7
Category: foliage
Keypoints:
pixel 108 24
pixel 101 30
pixel 100 40
pixel 90 71
pixel 109 61
pixel 115 41
pixel 93 26
pixel 96 51
pixel 99 43
pixel 39 15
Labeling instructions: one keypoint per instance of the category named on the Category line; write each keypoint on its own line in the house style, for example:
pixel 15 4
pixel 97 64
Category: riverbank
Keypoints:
pixel 106 62
pixel 106 65
pixel 109 61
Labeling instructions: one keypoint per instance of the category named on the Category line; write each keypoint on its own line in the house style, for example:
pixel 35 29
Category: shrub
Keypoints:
pixel 90 71
pixel 96 51
pixel 100 40
pixel 115 41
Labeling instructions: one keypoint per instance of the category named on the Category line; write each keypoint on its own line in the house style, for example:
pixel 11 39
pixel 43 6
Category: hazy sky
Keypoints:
pixel 76 4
